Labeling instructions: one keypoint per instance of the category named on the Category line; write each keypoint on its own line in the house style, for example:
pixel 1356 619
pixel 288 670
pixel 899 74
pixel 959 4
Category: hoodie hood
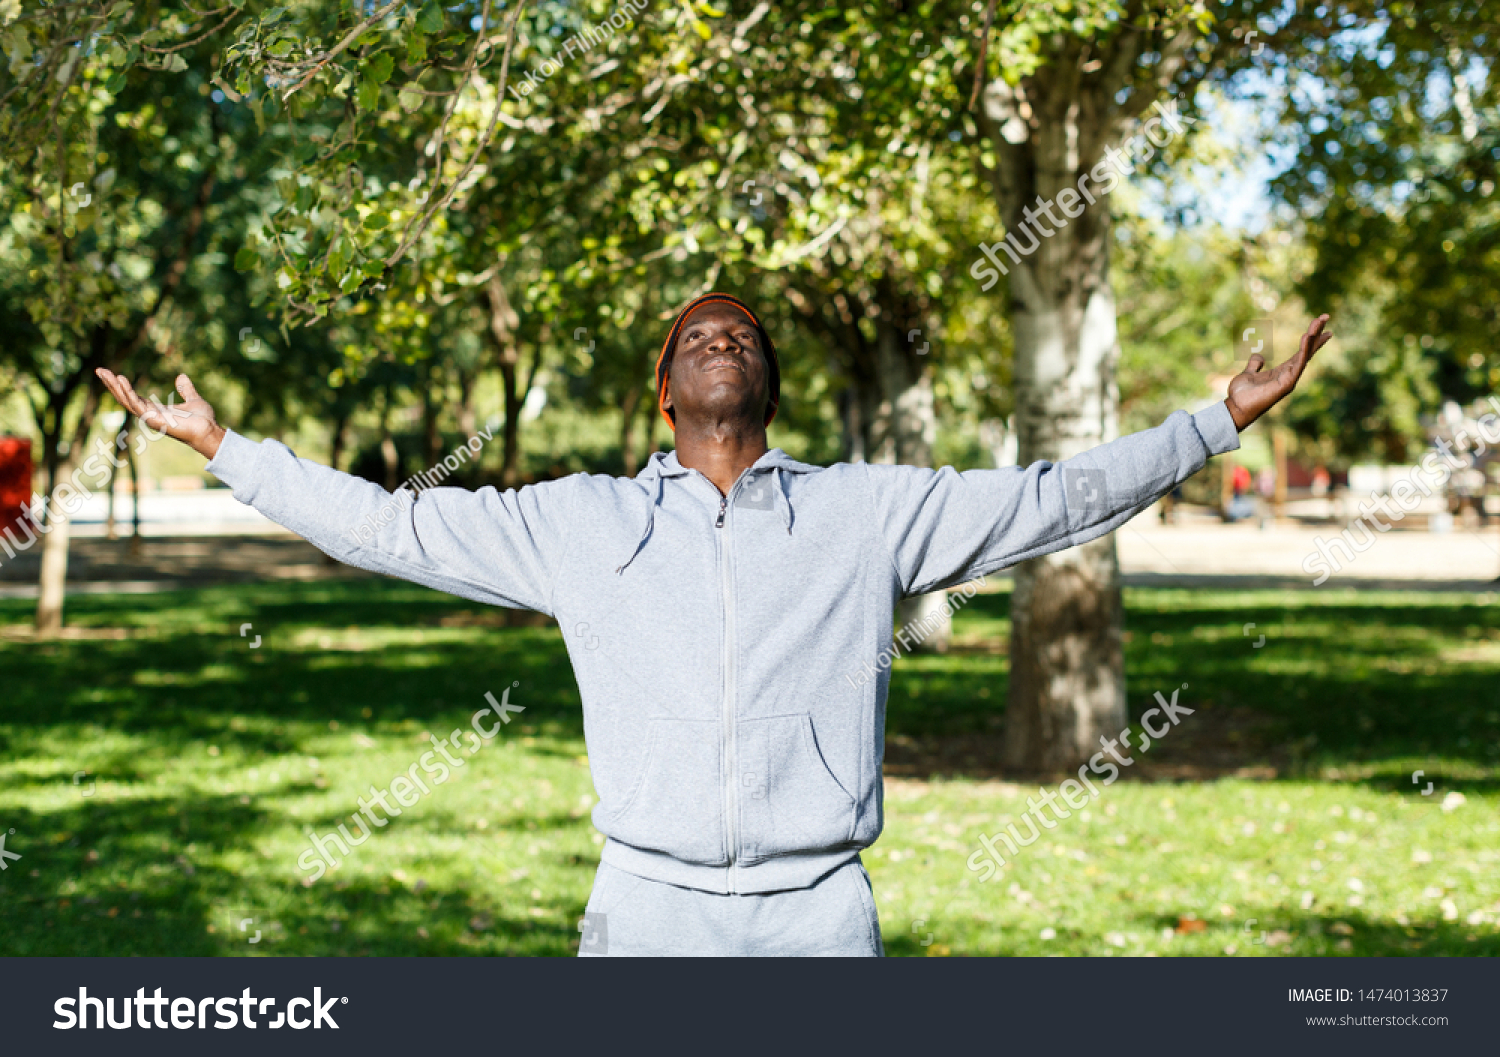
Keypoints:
pixel 664 360
pixel 663 465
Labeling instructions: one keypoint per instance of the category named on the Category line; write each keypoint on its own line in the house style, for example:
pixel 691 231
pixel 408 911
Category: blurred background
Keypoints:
pixel 380 231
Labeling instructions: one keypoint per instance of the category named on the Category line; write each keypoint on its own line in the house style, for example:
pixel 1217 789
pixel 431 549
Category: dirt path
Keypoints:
pixel 169 562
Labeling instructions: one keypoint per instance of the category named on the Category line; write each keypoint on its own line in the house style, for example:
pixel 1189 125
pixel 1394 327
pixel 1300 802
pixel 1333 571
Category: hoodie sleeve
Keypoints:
pixel 942 527
pixel 503 548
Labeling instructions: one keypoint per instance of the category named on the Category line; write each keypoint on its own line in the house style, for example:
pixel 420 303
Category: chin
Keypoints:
pixel 733 404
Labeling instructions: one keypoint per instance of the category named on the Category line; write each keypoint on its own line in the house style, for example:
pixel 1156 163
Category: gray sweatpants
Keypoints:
pixel 631 916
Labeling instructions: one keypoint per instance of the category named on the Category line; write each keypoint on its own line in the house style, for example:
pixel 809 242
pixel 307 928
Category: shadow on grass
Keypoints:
pixel 149 877
pixel 186 685
pixel 1341 679
pixel 1348 679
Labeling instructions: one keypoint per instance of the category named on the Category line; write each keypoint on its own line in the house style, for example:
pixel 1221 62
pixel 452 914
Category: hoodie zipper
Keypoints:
pixel 731 748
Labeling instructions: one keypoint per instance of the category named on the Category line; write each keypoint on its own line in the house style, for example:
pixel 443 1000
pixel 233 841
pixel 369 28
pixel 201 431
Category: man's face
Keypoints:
pixel 718 368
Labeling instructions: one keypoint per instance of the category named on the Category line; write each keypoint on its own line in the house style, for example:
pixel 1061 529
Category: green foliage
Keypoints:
pixel 1178 295
pixel 1391 112
pixel 371 177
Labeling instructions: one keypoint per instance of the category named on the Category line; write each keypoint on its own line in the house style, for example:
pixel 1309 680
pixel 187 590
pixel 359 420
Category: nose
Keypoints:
pixel 724 347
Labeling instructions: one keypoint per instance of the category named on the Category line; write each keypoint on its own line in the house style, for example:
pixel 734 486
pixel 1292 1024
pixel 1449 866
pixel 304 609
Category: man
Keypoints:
pixel 712 606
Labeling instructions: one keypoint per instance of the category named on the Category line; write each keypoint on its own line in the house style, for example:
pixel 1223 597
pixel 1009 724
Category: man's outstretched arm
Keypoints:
pixel 943 527
pixel 500 548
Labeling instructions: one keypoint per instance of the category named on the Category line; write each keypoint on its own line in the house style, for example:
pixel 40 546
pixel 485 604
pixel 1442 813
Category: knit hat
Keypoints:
pixel 665 359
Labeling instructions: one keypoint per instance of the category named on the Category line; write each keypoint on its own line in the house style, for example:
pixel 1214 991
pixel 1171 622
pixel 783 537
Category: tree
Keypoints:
pixel 1391 114
pixel 110 163
pixel 1070 101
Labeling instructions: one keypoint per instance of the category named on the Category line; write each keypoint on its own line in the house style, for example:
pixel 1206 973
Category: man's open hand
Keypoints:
pixel 191 421
pixel 1255 390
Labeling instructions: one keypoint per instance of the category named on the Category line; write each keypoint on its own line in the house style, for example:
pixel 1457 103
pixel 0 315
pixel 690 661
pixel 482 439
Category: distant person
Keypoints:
pixel 1240 506
pixel 1265 488
pixel 711 607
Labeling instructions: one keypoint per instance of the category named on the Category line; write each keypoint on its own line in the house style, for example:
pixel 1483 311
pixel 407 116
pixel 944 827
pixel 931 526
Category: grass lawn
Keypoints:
pixel 1279 818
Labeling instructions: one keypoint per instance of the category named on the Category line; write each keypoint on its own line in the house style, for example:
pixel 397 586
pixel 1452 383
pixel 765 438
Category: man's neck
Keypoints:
pixel 720 451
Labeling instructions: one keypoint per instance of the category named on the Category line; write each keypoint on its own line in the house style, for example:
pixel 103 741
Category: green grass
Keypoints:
pixel 210 761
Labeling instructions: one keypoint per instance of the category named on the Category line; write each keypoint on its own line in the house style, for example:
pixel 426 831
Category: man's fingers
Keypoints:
pixel 112 384
pixel 1255 363
pixel 122 391
pixel 139 407
pixel 151 412
pixel 1311 343
pixel 1314 329
pixel 185 388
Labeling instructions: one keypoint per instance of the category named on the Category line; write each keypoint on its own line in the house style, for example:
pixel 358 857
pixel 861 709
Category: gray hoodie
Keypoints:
pixel 711 635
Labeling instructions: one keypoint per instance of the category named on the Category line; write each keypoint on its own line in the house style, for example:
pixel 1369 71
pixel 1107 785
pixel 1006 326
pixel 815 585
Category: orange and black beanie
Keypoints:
pixel 664 361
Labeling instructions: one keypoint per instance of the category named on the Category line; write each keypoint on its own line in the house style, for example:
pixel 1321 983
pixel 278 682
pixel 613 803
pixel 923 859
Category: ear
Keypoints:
pixel 666 389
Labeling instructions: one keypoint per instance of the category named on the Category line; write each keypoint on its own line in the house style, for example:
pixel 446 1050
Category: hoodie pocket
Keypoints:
pixel 788 798
pixel 674 804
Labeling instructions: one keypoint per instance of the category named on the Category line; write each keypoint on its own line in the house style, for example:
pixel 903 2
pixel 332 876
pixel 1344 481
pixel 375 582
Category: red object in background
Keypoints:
pixel 15 479
pixel 1241 479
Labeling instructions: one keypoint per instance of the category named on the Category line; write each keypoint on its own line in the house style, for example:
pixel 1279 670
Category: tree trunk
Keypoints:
pixel 511 454
pixel 907 429
pixel 339 439
pixel 889 417
pixel 503 323
pixel 110 531
pixel 1067 685
pixel 1067 660
pixel 468 421
pixel 49 606
pixel 432 439
pixel 388 453
pixel 392 459
pixel 52 585
pixel 1278 452
pixel 135 496
pixel 628 454
pixel 851 415
pixel 888 412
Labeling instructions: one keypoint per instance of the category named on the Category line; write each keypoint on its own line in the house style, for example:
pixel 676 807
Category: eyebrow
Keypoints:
pixel 742 325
